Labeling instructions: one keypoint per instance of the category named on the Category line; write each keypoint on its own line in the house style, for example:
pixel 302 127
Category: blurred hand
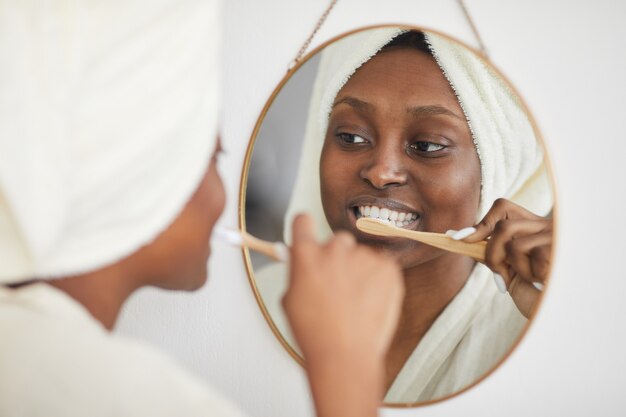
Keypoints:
pixel 518 251
pixel 343 304
pixel 342 297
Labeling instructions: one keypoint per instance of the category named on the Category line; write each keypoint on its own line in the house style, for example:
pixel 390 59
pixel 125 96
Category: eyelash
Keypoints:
pixel 420 147
pixel 348 139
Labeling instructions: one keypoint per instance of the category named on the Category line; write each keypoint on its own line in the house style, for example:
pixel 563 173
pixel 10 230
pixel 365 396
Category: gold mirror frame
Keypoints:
pixel 244 182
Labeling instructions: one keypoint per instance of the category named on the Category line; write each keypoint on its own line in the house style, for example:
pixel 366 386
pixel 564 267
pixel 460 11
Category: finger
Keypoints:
pixel 504 232
pixel 501 209
pixel 524 295
pixel 340 246
pixel 540 262
pixel 520 253
pixel 343 239
pixel 303 229
pixel 304 245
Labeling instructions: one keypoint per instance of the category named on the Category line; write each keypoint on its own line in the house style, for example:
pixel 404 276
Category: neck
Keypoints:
pixel 102 292
pixel 429 288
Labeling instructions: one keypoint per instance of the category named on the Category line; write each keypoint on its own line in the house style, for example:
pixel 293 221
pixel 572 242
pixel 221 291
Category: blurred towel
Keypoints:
pixel 107 123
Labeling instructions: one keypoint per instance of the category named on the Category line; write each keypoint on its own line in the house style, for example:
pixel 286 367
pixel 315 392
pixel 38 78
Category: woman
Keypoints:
pixel 114 187
pixel 417 131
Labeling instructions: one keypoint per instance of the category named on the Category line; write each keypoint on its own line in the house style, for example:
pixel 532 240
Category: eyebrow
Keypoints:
pixel 417 111
pixel 432 110
pixel 360 105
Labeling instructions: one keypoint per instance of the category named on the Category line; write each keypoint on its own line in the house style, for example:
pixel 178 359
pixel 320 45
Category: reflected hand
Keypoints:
pixel 343 304
pixel 518 251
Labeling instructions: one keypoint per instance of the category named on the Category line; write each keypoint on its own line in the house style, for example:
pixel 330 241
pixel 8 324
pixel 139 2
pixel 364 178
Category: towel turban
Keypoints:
pixel 108 118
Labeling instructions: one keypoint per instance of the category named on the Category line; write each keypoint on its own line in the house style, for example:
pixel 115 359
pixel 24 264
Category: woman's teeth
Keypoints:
pixel 396 218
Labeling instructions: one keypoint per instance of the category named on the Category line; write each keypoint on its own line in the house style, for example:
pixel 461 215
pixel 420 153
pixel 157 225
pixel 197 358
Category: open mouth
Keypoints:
pixel 403 219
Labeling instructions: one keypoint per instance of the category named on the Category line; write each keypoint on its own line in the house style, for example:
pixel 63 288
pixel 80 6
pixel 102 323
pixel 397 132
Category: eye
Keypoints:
pixel 427 147
pixel 349 138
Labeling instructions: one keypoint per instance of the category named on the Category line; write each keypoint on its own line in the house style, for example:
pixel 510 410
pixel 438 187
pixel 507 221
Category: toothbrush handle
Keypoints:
pixel 474 250
pixel 274 250
pixel 439 240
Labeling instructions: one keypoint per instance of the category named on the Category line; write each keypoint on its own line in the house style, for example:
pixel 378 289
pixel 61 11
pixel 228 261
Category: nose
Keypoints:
pixel 385 169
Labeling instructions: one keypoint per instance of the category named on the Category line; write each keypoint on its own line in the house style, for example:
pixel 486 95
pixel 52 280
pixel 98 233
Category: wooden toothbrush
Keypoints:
pixel 438 240
pixel 274 250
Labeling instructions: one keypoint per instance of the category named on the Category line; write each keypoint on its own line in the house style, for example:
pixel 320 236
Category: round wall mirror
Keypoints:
pixel 415 129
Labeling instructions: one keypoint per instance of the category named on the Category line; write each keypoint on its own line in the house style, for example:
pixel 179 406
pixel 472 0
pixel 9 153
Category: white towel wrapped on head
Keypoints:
pixel 511 158
pixel 107 124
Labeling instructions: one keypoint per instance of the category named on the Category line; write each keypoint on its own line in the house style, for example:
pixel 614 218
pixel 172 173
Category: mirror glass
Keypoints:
pixel 414 128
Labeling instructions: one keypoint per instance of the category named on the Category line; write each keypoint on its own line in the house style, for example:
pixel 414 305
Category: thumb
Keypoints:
pixel 303 229
pixel 303 243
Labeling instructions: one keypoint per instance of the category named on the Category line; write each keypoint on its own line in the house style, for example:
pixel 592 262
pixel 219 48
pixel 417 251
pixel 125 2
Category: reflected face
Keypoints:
pixel 398 147
pixel 180 254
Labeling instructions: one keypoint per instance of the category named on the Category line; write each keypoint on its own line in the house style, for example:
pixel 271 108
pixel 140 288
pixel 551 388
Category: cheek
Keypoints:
pixel 214 201
pixel 208 203
pixel 334 180
pixel 452 197
pixel 327 185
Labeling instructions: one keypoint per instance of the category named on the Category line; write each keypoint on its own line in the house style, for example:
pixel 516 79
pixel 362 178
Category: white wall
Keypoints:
pixel 567 59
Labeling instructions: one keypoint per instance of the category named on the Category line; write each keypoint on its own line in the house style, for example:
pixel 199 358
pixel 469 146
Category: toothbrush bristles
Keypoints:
pixel 232 237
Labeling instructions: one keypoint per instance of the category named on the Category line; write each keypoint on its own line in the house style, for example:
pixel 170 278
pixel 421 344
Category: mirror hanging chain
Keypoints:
pixel 317 27
pixel 332 4
pixel 481 44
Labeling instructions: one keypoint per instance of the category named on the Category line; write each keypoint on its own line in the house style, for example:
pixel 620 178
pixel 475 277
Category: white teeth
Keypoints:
pixel 395 218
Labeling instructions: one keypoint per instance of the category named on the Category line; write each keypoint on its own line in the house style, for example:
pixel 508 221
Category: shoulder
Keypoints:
pixel 489 329
pixel 499 317
pixel 53 365
pixel 495 328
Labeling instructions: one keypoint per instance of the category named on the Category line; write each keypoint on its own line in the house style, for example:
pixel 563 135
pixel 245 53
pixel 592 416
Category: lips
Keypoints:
pixel 391 211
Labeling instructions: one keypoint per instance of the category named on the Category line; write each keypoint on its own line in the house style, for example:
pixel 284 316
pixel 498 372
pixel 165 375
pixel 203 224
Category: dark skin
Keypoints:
pixel 519 249
pixel 177 259
pixel 397 138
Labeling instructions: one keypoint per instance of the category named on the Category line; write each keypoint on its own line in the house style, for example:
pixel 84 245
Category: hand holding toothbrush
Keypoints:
pixel 343 304
pixel 518 250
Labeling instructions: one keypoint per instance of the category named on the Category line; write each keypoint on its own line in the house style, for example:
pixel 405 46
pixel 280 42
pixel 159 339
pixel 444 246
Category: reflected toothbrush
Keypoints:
pixel 439 240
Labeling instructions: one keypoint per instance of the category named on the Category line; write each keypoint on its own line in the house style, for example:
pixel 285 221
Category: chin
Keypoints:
pixel 198 280
pixel 184 281
pixel 197 275
pixel 407 254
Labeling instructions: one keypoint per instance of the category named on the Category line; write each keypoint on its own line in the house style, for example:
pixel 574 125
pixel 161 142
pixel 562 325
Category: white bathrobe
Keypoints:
pixel 108 119
pixel 57 360
pixel 480 325
pixel 473 333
